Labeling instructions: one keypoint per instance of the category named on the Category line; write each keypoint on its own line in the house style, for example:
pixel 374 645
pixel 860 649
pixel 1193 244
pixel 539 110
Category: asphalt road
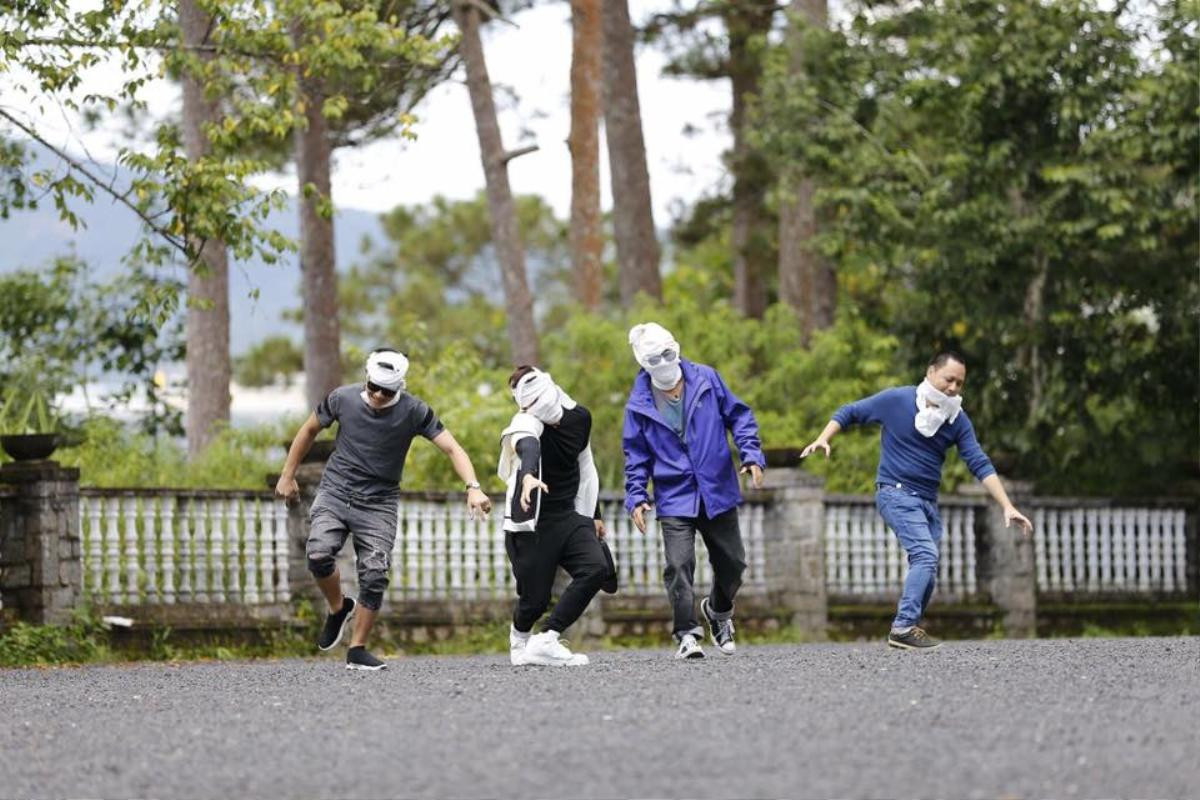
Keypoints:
pixel 1050 718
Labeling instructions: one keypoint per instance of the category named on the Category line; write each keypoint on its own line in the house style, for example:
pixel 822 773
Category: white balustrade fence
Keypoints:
pixel 863 557
pixel 1118 550
pixel 183 547
pixel 167 546
pixel 440 553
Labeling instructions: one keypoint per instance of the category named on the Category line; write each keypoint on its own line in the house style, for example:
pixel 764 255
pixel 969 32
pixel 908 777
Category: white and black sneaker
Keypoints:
pixel 689 648
pixel 721 629
pixel 359 658
pixel 546 649
pixel 335 625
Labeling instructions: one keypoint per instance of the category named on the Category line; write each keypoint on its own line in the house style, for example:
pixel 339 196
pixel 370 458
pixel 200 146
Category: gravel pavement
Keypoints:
pixel 1048 718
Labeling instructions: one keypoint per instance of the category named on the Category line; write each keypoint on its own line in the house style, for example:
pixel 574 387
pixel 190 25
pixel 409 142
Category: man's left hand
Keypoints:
pixel 1012 515
pixel 756 474
pixel 600 530
pixel 478 503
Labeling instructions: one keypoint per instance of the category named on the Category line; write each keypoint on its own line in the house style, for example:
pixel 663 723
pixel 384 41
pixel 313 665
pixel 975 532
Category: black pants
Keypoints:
pixel 723 538
pixel 563 539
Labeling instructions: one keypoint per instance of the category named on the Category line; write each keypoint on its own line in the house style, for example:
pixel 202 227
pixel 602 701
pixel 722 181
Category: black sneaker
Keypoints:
pixel 721 630
pixel 913 639
pixel 359 658
pixel 335 625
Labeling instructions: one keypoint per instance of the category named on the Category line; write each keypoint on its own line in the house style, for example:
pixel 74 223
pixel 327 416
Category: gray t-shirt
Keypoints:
pixel 371 444
pixel 671 409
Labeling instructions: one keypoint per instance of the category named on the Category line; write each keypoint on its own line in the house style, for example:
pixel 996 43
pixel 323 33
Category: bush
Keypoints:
pixel 83 640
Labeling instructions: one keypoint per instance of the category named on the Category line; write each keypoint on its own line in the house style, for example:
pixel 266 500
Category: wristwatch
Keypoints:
pixel 472 485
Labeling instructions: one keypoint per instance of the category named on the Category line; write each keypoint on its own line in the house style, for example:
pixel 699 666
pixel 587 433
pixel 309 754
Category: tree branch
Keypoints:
pixel 520 151
pixel 487 11
pixel 96 181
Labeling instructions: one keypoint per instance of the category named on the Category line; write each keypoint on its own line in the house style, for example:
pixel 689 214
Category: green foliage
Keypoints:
pixel 109 454
pixel 81 641
pixel 59 330
pixel 275 359
pixel 1018 181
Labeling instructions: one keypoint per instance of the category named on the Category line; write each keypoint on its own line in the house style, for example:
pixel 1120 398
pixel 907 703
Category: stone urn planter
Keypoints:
pixel 30 446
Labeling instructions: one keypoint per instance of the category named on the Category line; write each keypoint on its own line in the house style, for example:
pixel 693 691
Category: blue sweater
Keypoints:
pixel 905 456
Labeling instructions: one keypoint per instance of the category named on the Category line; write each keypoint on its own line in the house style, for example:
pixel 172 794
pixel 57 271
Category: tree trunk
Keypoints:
pixel 633 216
pixel 208 365
pixel 807 282
pixel 587 238
pixel 751 175
pixel 318 264
pixel 506 235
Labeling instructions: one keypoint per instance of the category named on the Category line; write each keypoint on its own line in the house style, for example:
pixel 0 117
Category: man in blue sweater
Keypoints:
pixel 920 423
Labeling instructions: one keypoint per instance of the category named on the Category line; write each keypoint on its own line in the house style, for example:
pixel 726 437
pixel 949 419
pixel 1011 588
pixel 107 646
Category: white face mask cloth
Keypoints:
pixel 539 396
pixel 934 408
pixel 657 352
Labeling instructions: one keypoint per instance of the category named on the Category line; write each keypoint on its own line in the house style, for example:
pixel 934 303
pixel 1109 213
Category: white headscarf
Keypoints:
pixel 386 368
pixel 934 408
pixel 537 394
pixel 650 339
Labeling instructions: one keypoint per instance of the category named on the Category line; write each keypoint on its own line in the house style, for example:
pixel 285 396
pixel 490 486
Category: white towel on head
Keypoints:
pixel 537 394
pixel 650 338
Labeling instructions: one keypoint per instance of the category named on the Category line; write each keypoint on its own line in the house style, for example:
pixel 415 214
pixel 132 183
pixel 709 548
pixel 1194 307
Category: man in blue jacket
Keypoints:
pixel 675 424
pixel 920 423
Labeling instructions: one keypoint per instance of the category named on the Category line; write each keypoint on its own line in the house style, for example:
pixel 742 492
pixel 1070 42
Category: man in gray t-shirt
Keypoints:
pixel 359 490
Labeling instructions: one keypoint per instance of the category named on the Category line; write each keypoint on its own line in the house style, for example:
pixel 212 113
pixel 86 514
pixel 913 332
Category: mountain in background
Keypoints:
pixel 31 239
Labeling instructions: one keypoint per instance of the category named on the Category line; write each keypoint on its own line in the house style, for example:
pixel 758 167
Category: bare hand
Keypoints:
pixel 600 530
pixel 478 504
pixel 812 448
pixel 756 474
pixel 639 516
pixel 530 483
pixel 1011 514
pixel 287 490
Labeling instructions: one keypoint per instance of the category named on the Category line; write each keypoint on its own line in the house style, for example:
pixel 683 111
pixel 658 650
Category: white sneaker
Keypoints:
pixel 516 646
pixel 689 648
pixel 546 649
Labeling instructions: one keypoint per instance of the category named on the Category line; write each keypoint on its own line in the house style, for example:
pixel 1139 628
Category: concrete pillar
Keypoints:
pixel 41 576
pixel 794 540
pixel 1006 561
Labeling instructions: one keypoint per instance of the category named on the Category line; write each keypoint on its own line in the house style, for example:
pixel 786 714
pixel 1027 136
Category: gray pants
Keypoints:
pixel 372 523
pixel 723 538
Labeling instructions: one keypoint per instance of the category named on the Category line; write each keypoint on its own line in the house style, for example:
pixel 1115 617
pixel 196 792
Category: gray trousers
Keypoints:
pixel 372 523
pixel 723 538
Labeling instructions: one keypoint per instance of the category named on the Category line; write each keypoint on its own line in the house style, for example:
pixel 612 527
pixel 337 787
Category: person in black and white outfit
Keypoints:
pixel 551 516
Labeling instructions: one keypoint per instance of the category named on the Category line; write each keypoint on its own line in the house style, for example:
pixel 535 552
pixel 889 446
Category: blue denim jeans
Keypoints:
pixel 918 526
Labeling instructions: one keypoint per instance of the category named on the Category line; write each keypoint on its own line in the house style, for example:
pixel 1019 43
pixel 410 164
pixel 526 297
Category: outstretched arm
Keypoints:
pixel 822 441
pixel 477 501
pixel 286 487
pixel 996 490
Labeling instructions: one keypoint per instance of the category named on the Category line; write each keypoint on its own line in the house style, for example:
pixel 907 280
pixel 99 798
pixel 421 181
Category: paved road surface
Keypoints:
pixel 1052 718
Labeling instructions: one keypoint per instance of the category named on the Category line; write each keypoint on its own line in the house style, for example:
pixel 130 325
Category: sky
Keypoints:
pixel 533 59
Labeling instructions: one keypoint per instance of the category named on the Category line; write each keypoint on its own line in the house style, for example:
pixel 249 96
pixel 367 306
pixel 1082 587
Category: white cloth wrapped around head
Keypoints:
pixel 657 352
pixel 537 394
pixel 387 368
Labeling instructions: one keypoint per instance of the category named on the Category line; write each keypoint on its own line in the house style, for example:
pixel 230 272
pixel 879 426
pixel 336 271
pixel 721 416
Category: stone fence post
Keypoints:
pixel 1006 560
pixel 41 576
pixel 794 543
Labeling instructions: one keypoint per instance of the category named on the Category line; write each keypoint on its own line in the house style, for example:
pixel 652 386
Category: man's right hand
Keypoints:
pixel 639 516
pixel 529 484
pixel 812 448
pixel 287 489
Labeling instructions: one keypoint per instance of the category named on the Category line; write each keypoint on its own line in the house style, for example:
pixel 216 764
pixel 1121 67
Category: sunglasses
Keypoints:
pixel 666 356
pixel 374 387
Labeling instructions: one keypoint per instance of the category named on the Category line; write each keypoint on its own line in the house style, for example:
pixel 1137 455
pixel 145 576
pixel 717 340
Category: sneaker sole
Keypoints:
pixel 341 631
pixel 903 646
pixel 366 668
pixel 539 661
pixel 695 656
